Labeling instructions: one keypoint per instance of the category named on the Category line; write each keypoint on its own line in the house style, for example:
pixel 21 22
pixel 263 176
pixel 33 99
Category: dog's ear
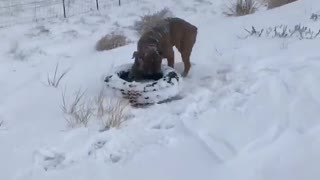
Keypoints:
pixel 134 55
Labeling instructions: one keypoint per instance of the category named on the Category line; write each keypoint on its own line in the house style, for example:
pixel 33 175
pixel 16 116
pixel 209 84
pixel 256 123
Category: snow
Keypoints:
pixel 250 107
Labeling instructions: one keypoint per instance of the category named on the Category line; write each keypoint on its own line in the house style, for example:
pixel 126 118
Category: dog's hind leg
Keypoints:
pixel 186 61
pixel 186 49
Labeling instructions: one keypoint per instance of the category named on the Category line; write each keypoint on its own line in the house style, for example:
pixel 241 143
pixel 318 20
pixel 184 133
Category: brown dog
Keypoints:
pixel 156 44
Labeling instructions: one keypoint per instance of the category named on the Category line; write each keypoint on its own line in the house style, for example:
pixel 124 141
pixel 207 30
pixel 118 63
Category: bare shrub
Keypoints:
pixel 38 31
pixel 79 112
pixel 17 52
pixel 282 31
pixel 55 80
pixel 148 21
pixel 110 111
pixel 23 53
pixel 241 8
pixel 112 41
pixel 315 17
pixel 278 3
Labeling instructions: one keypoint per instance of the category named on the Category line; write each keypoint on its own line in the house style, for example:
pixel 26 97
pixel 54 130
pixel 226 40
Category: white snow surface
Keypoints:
pixel 250 108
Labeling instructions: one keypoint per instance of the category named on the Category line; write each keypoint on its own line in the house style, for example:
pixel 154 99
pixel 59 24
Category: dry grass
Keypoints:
pixel 278 3
pixel 283 31
pixel 110 111
pixel 112 41
pixel 100 104
pixel 78 113
pixel 116 114
pixel 148 21
pixel 2 125
pixel 55 80
pixel 241 8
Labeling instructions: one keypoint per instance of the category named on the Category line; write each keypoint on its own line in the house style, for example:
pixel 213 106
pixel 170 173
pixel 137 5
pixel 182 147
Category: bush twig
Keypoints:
pixel 55 80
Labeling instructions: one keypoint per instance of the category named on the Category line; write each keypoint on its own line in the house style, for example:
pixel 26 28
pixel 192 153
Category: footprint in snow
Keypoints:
pixel 48 158
pixel 96 146
pixel 163 126
pixel 114 158
pixel 99 146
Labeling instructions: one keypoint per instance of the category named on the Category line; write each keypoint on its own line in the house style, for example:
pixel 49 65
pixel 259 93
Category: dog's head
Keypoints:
pixel 148 61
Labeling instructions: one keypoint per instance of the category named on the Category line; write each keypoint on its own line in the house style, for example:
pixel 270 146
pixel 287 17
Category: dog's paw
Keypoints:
pixel 184 74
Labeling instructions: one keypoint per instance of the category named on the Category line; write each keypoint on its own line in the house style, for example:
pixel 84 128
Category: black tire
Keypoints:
pixel 143 93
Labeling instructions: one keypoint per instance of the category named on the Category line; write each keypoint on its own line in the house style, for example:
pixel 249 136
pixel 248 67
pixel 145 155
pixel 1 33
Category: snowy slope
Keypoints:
pixel 250 107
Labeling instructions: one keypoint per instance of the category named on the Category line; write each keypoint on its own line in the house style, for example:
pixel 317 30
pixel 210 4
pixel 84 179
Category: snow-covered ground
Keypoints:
pixel 250 107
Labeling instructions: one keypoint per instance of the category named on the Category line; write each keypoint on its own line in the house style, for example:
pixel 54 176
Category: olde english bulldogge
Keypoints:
pixel 157 44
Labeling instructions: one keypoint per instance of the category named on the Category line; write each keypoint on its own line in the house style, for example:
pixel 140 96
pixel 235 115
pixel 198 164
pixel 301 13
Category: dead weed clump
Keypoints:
pixel 241 8
pixel 112 41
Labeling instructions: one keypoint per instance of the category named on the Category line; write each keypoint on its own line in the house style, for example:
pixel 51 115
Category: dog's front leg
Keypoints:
pixel 170 57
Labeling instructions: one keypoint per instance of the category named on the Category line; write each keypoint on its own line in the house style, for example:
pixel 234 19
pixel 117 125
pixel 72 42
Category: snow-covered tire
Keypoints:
pixel 144 93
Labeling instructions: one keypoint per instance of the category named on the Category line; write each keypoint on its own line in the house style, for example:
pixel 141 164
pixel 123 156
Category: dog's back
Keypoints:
pixel 180 28
pixel 170 29
pixel 175 22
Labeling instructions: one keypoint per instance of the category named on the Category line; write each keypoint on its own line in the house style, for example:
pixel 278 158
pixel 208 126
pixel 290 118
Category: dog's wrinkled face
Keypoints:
pixel 148 62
